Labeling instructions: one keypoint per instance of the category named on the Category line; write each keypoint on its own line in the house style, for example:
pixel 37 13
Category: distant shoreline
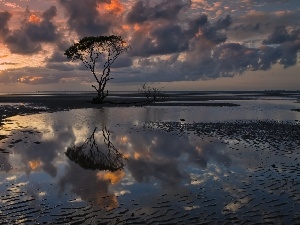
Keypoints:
pixel 31 103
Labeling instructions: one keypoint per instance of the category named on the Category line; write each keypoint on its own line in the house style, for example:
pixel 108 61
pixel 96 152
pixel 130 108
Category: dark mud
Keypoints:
pixel 253 178
pixel 261 186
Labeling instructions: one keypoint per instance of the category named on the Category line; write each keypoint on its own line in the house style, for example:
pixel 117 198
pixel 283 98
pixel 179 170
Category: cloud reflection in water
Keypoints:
pixel 174 170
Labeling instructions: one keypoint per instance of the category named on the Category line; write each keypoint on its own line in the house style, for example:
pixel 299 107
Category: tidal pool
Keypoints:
pixel 184 165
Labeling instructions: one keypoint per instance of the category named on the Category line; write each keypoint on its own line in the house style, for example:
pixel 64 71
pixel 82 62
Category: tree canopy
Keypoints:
pixel 93 49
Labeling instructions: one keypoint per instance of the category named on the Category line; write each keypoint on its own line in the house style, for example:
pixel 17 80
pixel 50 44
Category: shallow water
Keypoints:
pixel 186 165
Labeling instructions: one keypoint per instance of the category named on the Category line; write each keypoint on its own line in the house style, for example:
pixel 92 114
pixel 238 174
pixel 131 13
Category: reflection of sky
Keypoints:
pixel 179 170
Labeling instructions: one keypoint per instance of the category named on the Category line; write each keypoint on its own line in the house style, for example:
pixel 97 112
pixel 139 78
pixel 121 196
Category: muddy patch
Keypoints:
pixel 176 172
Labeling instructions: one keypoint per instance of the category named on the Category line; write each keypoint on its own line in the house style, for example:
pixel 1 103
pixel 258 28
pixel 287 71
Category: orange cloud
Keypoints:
pixel 137 27
pixel 113 177
pixel 124 139
pixel 137 155
pixel 115 7
pixel 126 27
pixel 34 164
pixel 34 19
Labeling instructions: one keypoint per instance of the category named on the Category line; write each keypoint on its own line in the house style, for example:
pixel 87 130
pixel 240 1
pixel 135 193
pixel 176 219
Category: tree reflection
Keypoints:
pixel 90 156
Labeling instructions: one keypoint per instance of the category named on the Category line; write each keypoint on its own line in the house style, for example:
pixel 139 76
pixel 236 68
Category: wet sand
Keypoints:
pixel 266 192
pixel 22 104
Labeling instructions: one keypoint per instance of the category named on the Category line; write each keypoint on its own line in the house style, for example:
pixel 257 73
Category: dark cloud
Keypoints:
pixel 47 154
pixel 42 32
pixel 50 13
pixel 207 60
pixel 60 66
pixel 169 37
pixel 28 38
pixel 5 163
pixel 20 43
pixel 158 159
pixel 244 31
pixel 121 62
pixel 209 56
pixel 143 11
pixel 88 186
pixel 161 156
pixel 36 75
pixel 290 52
pixel 216 32
pixel 285 45
pixel 223 23
pixel 166 172
pixel 171 41
pixel 164 39
pixel 4 18
pixel 58 56
pixel 268 56
pixel 195 24
pixel 84 18
pixel 281 35
pixel 235 58
pixel 258 25
pixel 212 34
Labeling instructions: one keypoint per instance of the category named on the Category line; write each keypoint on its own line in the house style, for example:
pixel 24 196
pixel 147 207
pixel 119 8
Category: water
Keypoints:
pixel 186 165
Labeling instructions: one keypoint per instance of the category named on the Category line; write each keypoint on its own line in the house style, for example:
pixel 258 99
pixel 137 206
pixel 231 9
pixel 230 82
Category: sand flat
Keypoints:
pixel 182 164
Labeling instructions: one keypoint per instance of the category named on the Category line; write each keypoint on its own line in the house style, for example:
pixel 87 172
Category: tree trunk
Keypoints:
pixel 101 95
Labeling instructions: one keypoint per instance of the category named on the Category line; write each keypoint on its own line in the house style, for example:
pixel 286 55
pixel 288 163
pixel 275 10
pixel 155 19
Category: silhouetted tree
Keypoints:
pixel 90 49
pixel 151 93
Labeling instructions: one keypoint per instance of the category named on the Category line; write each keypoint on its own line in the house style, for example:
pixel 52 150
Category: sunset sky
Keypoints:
pixel 177 44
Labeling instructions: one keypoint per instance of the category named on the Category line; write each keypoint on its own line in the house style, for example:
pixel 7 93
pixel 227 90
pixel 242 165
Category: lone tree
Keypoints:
pixel 91 51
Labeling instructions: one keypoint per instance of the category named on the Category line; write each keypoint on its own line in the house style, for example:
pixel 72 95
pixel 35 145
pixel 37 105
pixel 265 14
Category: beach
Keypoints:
pixel 189 158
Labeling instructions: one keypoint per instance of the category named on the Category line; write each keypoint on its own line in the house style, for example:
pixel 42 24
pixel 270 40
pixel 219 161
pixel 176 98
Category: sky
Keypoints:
pixel 175 44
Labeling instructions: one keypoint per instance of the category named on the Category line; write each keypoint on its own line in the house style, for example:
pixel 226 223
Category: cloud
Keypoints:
pixel 281 35
pixel 18 42
pixel 214 32
pixel 257 25
pixel 235 58
pixel 8 63
pixel 85 18
pixel 33 32
pixel 84 185
pixel 161 39
pixel 171 40
pixel 172 35
pixel 5 163
pixel 122 61
pixel 38 75
pixel 196 23
pixel 4 18
pixel 50 13
pixel 286 45
pixel 143 11
pixel 157 157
